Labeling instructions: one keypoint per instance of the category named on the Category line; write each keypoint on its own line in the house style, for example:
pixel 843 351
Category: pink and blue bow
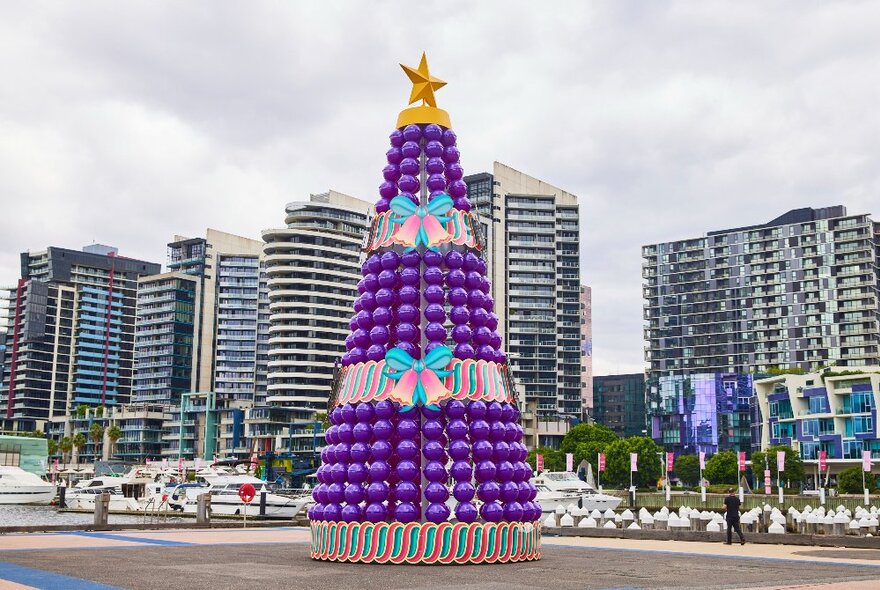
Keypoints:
pixel 421 225
pixel 418 382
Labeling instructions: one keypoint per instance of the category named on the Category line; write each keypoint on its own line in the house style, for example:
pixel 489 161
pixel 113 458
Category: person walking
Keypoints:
pixel 732 504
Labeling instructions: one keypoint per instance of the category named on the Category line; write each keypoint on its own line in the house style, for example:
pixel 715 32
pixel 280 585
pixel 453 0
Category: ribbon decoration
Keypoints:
pixel 418 382
pixel 421 225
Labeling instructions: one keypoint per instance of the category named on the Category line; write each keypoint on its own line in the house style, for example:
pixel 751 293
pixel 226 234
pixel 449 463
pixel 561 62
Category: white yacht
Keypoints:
pixel 18 486
pixel 562 488
pixel 224 487
pixel 127 493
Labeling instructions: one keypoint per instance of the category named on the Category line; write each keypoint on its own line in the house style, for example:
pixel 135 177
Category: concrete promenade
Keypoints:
pixel 279 558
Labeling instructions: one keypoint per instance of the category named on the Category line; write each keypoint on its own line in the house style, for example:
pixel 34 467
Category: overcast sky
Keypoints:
pixel 128 123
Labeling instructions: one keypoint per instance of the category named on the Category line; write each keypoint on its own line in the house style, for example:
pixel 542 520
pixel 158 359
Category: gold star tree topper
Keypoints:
pixel 424 85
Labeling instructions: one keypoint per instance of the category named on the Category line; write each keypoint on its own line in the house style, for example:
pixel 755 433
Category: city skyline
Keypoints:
pixel 108 129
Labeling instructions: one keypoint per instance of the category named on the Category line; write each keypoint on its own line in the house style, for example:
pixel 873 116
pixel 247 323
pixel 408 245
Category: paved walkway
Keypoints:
pixel 278 558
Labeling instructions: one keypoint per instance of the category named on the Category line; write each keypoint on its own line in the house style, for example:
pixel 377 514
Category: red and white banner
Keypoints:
pixel 823 460
pixel 539 463
pixel 702 459
pixel 670 462
pixel 767 483
pixel 742 461
pixel 569 461
pixel 180 465
pixel 198 463
pixel 601 462
pixel 164 463
pixel 633 461
pixel 780 461
pixel 866 461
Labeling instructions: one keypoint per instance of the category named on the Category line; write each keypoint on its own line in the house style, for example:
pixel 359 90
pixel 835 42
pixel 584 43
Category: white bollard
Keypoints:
pixel 609 525
pixel 587 523
pixel 566 520
pixel 550 521
pixel 776 529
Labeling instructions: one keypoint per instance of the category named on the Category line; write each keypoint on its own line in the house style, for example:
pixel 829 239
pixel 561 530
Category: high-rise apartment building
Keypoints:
pixel 800 291
pixel 313 267
pixel 586 300
pixel 533 236
pixel 619 403
pixel 70 333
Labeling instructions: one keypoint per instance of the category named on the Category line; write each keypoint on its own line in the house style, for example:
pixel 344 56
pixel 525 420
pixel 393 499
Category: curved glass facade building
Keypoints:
pixel 312 266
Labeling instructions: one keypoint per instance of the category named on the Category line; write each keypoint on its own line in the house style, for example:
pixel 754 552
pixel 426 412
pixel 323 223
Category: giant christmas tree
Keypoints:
pixel 424 461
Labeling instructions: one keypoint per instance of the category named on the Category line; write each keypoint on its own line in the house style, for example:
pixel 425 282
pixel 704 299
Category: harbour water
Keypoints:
pixel 11 515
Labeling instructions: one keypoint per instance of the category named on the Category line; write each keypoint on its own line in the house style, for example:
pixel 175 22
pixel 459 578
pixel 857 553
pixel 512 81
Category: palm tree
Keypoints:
pixel 66 445
pixel 52 445
pixel 79 441
pixel 96 433
pixel 113 434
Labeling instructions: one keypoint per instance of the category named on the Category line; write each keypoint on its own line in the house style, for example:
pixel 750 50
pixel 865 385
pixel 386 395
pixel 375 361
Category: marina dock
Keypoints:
pixel 271 558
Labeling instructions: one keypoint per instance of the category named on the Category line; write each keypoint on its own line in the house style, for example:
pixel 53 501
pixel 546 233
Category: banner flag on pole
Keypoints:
pixel 633 461
pixel 670 462
pixel 866 461
pixel 539 463
pixel 742 461
pixel 823 460
pixel 702 459
pixel 569 461
pixel 780 461
pixel 601 462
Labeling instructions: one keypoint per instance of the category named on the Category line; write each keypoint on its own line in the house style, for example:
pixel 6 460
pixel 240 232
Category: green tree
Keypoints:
pixel 722 468
pixel 81 410
pixel 113 435
pixel 79 441
pixel 850 481
pixel 96 433
pixel 617 464
pixel 687 468
pixel 794 466
pixel 66 445
pixel 586 434
pixel 99 412
pixel 52 445
pixel 554 460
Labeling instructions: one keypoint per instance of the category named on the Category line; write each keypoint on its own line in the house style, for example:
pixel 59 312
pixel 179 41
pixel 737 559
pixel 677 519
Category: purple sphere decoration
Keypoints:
pixel 454 171
pixel 466 512
pixel 375 512
pixel 396 138
pixel 406 512
pixel 411 149
pixel 410 167
pixel 436 492
pixel 459 450
pixel 513 511
pixel 492 512
pixel 464 491
pixel 434 166
pixel 333 512
pixel 385 409
pixel 448 137
pixel 437 513
pixel 412 133
pixel 434 294
pixel 455 409
pixel 435 472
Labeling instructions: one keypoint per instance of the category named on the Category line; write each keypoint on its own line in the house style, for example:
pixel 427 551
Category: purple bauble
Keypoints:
pixel 407 428
pixel 375 512
pixel 431 429
pixel 456 428
pixel 380 334
pixel 407 471
pixel 459 450
pixel 391 172
pixel 450 154
pixel 408 183
pixel 492 512
pixel 335 493
pixel 482 450
pixel 388 279
pixel 454 171
pixel 434 471
pixel 436 182
pixel 513 511
pixel 411 149
pixel 358 305
pixel 382 429
pixel 455 409
pixel 435 166
pixel 437 513
pixel 433 450
pixel 482 335
pixel 354 493
pixel 462 351
pixel 479 429
pixel 333 512
pixel 461 334
pixel 484 471
pixel 434 313
pixel 497 431
pixel 384 297
pixel 377 491
pixel 385 409
pixel 407 491
pixel 345 433
pixel 407 449
pixel 448 137
pixel 432 131
pixel 408 313
pixel 488 491
pixel 331 436
pixel 406 512
pixel 455 278
pixel 457 189
pixel 432 258
pixel 379 471
pixel 362 432
pixel 466 512
pixel 464 491
pixel 342 453
pixel 435 332
pixel 339 472
pixel 475 298
pixel 493 411
pixel 500 451
pixel 388 190
pixel 336 416
pixel 411 258
pixel 485 353
pixel 434 149
pixel 360 453
pixel 434 294
pixel 409 166
pixel 459 315
pixel 407 332
pixel 376 352
pixel 504 471
pixel 364 320
pixel 379 450
pixel 408 294
pixel 436 492
pixel 368 301
pixel 499 357
pixel 476 409
pixel 320 494
pixel 410 276
pixel 390 260
pixel 461 471
pixel 458 296
pixel 511 432
pixel 523 491
pixel 433 275
pixel 365 412
pixel 471 261
pixel 412 132
pixel 495 341
pixel 394 155
pixel 397 139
